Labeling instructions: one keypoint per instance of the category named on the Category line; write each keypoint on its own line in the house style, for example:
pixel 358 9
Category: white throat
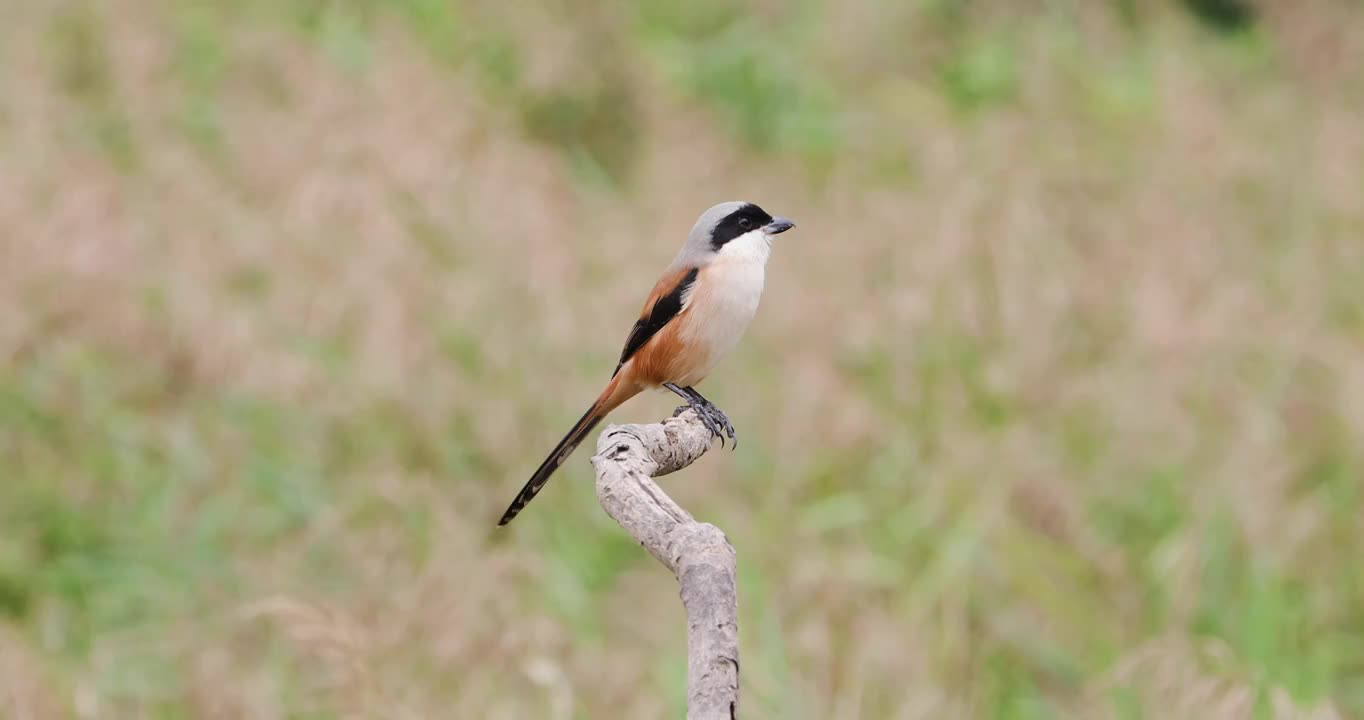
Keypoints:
pixel 754 246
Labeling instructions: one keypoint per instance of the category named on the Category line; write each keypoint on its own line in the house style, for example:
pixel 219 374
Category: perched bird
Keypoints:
pixel 695 315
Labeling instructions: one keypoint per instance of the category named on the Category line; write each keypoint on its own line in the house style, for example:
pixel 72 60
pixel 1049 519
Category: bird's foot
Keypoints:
pixel 705 417
pixel 713 418
pixel 722 420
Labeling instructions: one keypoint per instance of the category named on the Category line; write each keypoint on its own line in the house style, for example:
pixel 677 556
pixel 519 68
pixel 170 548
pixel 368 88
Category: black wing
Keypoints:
pixel 665 308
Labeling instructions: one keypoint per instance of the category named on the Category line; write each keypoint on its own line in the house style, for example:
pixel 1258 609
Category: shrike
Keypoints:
pixel 695 315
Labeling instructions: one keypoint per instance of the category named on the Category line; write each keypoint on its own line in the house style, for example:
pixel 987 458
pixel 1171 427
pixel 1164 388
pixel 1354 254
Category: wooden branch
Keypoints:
pixel 699 554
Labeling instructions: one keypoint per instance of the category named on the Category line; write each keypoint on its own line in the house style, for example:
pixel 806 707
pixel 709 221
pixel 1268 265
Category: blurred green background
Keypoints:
pixel 1054 407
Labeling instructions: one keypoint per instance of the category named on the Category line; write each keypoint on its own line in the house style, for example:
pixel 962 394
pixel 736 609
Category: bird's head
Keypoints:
pixel 733 228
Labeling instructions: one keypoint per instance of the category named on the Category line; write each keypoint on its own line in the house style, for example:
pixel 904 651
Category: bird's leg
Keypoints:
pixel 703 410
pixel 717 416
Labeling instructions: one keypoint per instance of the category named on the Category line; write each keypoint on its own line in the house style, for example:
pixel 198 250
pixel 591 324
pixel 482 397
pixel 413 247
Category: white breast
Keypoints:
pixel 725 301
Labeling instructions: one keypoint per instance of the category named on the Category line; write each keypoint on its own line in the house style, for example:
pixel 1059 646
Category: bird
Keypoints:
pixel 695 315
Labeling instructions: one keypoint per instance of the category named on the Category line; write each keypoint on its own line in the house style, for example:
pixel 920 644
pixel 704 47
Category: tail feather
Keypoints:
pixel 607 402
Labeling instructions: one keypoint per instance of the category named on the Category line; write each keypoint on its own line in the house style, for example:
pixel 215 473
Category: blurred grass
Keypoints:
pixel 1053 408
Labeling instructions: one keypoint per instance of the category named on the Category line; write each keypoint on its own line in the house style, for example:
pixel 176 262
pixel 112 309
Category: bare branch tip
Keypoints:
pixel 699 554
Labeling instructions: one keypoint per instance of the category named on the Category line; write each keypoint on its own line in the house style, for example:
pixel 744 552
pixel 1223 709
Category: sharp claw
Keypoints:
pixel 723 420
pixel 707 420
pixel 713 419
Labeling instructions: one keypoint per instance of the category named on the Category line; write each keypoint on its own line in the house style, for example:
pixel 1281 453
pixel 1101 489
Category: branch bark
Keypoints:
pixel 699 554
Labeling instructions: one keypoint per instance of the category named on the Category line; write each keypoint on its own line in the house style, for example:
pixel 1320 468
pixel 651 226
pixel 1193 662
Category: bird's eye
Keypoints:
pixel 745 223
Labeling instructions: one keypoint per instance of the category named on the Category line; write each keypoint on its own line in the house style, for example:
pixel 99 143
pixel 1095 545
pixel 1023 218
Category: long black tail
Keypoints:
pixel 556 458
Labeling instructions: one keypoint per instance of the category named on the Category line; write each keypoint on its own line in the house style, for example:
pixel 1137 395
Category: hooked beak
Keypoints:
pixel 778 225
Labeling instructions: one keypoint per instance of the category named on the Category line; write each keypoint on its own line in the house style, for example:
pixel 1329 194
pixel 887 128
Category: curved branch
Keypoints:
pixel 699 554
